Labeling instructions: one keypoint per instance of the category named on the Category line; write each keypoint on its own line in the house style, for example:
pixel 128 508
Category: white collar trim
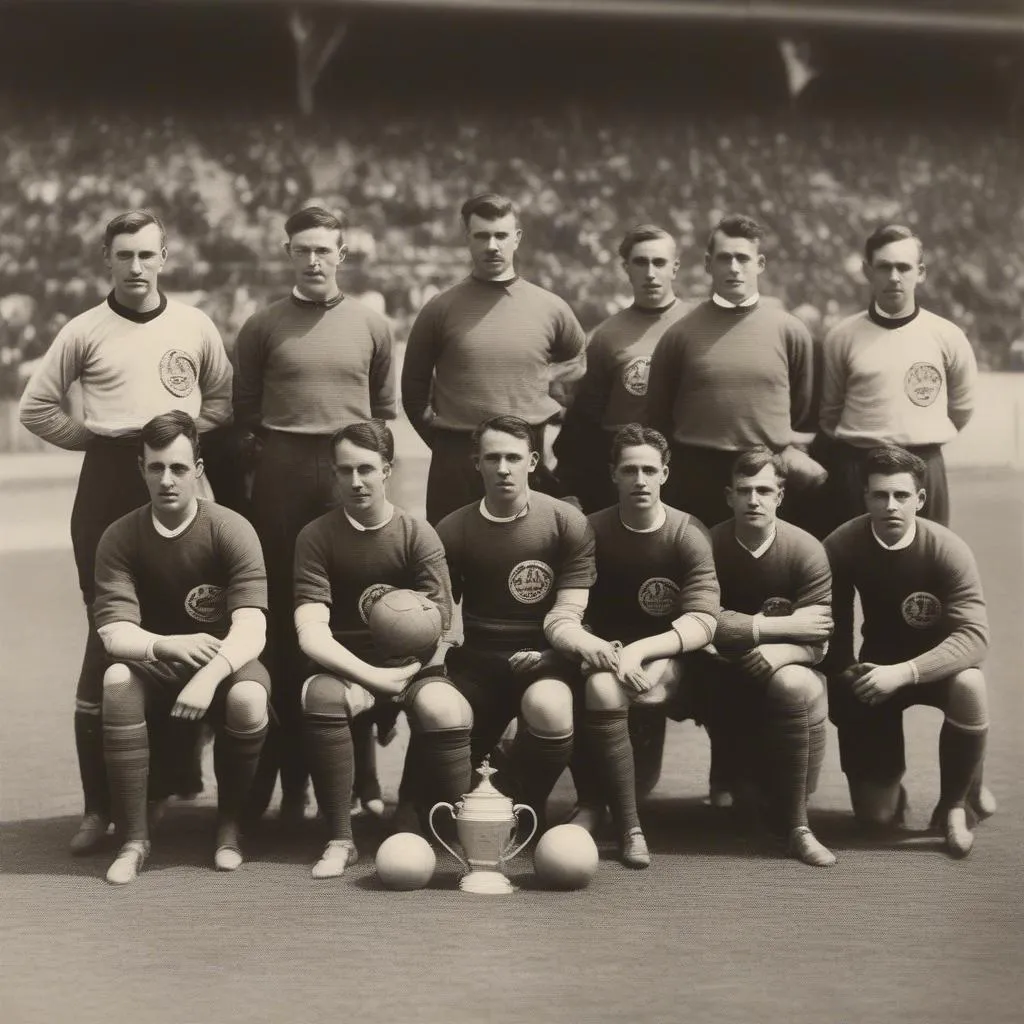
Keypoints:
pixel 659 522
pixel 389 510
pixel 178 530
pixel 504 519
pixel 761 548
pixel 904 542
pixel 726 304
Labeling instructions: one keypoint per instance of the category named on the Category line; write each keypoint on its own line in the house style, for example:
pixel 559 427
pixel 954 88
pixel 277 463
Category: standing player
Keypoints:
pixel 522 562
pixel 483 348
pixel 136 355
pixel 925 635
pixel 344 561
pixel 775 623
pixel 894 374
pixel 181 593
pixel 307 365
pixel 613 391
pixel 735 372
pixel 656 593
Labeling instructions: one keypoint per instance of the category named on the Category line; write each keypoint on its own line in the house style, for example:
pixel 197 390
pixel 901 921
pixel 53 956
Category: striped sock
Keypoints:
pixel 606 733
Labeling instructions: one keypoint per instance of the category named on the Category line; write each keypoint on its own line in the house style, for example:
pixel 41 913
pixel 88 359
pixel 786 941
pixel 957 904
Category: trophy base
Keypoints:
pixel 486 883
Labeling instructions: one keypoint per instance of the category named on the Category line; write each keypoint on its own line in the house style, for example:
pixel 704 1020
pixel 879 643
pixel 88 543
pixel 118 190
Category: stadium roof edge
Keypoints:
pixel 932 16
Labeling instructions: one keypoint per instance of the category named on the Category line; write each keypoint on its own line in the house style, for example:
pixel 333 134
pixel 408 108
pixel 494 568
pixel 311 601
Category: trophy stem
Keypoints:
pixel 486 883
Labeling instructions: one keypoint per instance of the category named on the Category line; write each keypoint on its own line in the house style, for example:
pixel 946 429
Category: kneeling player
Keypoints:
pixel 180 607
pixel 522 562
pixel 925 635
pixel 343 562
pixel 656 592
pixel 775 620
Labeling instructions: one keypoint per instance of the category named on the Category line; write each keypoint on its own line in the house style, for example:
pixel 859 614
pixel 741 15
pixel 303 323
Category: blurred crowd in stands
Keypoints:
pixel 582 176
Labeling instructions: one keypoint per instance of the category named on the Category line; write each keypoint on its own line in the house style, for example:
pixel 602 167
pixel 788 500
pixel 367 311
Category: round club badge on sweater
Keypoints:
pixel 530 581
pixel 922 384
pixel 635 375
pixel 206 603
pixel 658 596
pixel 921 609
pixel 178 373
pixel 369 597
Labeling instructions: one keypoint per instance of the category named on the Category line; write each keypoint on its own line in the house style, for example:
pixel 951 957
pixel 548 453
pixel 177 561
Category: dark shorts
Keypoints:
pixel 720 694
pixel 494 691
pixel 163 682
pixel 871 745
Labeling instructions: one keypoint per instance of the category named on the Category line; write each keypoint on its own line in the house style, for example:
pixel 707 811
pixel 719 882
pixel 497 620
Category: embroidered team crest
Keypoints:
pixel 206 603
pixel 658 596
pixel 178 372
pixel 530 581
pixel 777 606
pixel 922 384
pixel 370 596
pixel 635 375
pixel 921 609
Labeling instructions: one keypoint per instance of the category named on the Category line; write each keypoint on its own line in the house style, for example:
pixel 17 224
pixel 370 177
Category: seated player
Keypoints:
pixel 181 597
pixel 343 562
pixel 522 562
pixel 656 593
pixel 925 635
pixel 762 690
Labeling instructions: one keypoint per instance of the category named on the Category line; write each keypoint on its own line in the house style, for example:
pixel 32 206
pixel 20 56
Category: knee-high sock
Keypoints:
pixel 329 752
pixel 235 757
pixel 961 755
pixel 126 752
pixel 364 753
pixel 539 761
pixel 606 734
pixel 91 764
pixel 786 744
pixel 816 738
pixel 585 767
pixel 443 765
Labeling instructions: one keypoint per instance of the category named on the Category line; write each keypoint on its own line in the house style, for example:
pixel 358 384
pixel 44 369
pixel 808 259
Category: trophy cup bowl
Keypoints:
pixel 486 822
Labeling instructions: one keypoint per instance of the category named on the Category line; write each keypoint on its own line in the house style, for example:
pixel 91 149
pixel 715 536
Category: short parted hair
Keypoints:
pixel 642 233
pixel 753 460
pixel 511 425
pixel 311 217
pixel 891 459
pixel 489 205
pixel 632 435
pixel 737 225
pixel 129 222
pixel 889 233
pixel 373 435
pixel 162 430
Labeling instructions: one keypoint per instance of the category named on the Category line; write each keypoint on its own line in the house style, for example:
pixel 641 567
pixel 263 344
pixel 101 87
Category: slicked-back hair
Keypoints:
pixel 162 430
pixel 312 217
pixel 753 460
pixel 642 233
pixel 129 222
pixel 511 425
pixel 737 225
pixel 489 205
pixel 632 435
pixel 373 435
pixel 890 459
pixel 889 233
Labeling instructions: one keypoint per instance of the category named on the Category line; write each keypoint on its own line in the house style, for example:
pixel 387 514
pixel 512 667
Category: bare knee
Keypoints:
pixel 246 706
pixel 796 684
pixel 605 693
pixel 124 699
pixel 325 695
pixel 547 708
pixel 117 675
pixel 438 705
pixel 968 698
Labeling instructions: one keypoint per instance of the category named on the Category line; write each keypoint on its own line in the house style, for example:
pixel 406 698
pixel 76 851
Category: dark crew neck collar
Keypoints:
pixel 890 323
pixel 133 314
pixel 304 303
pixel 654 310
pixel 494 284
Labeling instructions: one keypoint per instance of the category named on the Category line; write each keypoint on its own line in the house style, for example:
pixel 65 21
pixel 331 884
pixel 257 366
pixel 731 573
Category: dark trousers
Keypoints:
pixel 453 480
pixel 843 492
pixel 293 485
